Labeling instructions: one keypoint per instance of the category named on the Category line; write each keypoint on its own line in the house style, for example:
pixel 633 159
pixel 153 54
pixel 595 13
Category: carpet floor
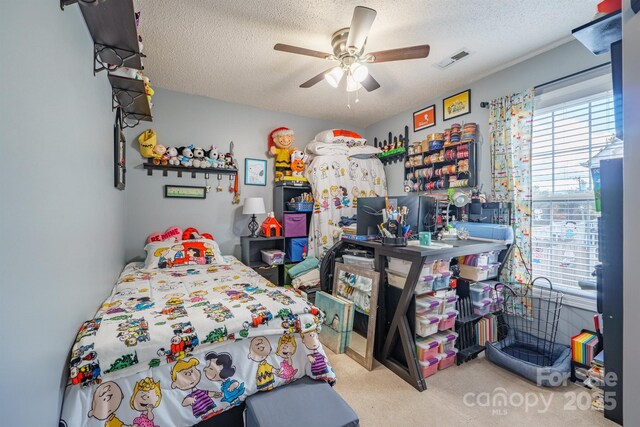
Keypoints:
pixel 475 393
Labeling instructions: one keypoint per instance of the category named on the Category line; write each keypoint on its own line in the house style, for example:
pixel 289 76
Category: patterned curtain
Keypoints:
pixel 510 138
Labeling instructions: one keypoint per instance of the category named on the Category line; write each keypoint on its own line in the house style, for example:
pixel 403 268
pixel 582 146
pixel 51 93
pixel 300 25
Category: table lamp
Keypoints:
pixel 253 206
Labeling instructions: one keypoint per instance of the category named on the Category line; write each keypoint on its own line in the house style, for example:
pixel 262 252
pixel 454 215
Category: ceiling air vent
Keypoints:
pixel 447 62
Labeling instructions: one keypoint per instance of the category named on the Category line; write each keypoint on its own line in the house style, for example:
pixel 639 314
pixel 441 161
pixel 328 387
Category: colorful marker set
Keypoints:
pixel 394 224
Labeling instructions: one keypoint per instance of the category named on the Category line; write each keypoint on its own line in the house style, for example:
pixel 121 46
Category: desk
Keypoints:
pixel 400 326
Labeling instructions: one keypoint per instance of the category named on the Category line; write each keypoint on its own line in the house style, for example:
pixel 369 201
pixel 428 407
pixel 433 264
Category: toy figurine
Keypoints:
pixel 298 159
pixel 172 156
pixel 280 145
pixel 199 158
pixel 186 156
pixel 160 155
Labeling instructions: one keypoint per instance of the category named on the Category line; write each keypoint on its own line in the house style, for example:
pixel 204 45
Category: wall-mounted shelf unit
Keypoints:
pixel 599 34
pixel 395 147
pixel 112 26
pixel 150 167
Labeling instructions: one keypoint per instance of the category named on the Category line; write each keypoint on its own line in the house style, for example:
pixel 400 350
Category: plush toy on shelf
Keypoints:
pixel 160 156
pixel 147 141
pixel 298 159
pixel 186 156
pixel 172 156
pixel 199 160
pixel 281 145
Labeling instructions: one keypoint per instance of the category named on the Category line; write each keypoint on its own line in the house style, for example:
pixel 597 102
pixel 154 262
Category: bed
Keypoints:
pixel 339 172
pixel 178 346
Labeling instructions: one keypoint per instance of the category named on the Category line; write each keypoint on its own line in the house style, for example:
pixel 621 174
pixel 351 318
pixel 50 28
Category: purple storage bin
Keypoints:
pixel 295 225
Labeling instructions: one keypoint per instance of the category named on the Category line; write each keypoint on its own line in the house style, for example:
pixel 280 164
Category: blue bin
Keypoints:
pixel 297 249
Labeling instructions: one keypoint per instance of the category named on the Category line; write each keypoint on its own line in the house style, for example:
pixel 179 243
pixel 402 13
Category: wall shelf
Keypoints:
pixel 598 34
pixel 150 167
pixel 129 95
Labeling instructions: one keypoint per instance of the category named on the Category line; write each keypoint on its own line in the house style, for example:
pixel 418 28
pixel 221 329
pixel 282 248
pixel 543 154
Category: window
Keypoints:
pixel 571 124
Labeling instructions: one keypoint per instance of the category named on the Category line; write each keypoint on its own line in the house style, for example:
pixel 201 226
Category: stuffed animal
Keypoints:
pixel 186 156
pixel 147 141
pixel 172 155
pixel 160 155
pixel 228 160
pixel 281 145
pixel 193 233
pixel 198 158
pixel 298 159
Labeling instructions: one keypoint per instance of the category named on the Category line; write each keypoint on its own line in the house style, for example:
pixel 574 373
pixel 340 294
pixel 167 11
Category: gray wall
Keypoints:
pixel 553 64
pixel 631 336
pixel 61 217
pixel 182 119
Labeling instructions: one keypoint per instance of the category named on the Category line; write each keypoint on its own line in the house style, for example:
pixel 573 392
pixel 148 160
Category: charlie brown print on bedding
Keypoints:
pixel 202 338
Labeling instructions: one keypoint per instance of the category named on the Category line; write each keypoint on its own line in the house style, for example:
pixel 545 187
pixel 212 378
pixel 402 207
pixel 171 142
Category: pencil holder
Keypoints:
pixel 394 241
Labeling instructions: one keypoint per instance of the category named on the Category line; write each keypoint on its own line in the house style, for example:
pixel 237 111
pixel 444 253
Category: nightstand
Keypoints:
pixel 252 257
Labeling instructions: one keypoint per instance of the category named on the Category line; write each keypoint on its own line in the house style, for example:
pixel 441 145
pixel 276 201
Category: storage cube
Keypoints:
pixel 297 249
pixel 295 225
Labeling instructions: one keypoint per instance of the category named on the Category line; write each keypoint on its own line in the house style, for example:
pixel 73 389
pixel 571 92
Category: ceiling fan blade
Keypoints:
pixel 413 52
pixel 312 81
pixel 370 84
pixel 300 51
pixel 361 23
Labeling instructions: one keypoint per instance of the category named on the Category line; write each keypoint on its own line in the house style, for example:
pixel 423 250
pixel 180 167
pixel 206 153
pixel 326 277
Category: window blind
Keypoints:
pixel 566 136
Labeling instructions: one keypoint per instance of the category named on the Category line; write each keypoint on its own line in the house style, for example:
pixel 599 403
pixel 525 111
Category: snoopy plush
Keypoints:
pixel 199 160
pixel 186 156
pixel 172 153
pixel 298 159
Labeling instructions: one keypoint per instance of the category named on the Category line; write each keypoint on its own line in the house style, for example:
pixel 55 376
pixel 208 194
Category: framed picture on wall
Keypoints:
pixel 255 172
pixel 456 105
pixel 185 192
pixel 424 118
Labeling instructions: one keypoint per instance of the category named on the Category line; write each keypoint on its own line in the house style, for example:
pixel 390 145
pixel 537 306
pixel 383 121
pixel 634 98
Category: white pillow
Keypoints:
pixel 183 253
pixel 363 151
pixel 340 136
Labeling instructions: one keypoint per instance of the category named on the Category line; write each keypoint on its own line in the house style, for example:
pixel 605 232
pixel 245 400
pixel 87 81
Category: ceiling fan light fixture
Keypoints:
pixel 352 84
pixel 359 72
pixel 334 76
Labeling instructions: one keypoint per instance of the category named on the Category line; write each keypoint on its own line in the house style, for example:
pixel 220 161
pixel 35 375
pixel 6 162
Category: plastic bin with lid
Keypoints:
pixel 359 261
pixel 496 304
pixel 402 266
pixel 446 340
pixel 492 270
pixel 429 367
pixel 447 320
pixel 441 281
pixel 473 273
pixel 492 256
pixel 448 303
pixel 398 280
pixel 447 358
pixel 427 306
pixel 427 348
pixel 482 308
pixel 426 326
pixel 479 291
pixel 272 256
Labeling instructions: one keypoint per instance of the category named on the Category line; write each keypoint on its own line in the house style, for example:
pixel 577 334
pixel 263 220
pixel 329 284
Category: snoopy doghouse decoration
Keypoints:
pixel 270 227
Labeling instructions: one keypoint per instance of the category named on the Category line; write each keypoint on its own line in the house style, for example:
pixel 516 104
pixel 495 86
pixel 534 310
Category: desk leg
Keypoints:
pixel 400 329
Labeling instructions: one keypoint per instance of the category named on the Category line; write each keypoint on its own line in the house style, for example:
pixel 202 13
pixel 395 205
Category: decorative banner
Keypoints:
pixel 424 118
pixel 456 105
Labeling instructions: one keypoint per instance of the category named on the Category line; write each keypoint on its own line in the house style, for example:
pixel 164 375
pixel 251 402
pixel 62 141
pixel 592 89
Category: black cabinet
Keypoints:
pixel 252 256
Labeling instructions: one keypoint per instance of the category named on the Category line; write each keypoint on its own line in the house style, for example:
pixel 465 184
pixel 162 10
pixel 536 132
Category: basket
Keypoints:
pixel 300 206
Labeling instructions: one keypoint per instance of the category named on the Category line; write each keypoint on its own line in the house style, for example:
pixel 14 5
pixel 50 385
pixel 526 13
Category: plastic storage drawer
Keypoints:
pixel 448 304
pixel 441 281
pixel 398 280
pixel 492 272
pixel 446 340
pixel 359 261
pixel 427 348
pixel 297 248
pixel 295 225
pixel 447 359
pixel 473 273
pixel 479 292
pixel 427 306
pixel 429 367
pixel 426 326
pixel 447 320
pixel 482 308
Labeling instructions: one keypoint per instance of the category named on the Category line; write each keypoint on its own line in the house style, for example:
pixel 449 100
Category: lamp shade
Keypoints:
pixel 253 206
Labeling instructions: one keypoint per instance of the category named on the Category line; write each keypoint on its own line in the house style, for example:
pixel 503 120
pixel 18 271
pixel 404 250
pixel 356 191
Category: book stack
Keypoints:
pixel 486 329
pixel 350 229
pixel 338 324
pixel 583 347
pixel 595 382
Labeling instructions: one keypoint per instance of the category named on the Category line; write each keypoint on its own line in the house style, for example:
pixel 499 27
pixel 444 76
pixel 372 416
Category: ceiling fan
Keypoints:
pixel 348 48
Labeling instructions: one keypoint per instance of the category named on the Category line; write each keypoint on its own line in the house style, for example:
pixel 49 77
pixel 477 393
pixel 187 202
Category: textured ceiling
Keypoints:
pixel 224 49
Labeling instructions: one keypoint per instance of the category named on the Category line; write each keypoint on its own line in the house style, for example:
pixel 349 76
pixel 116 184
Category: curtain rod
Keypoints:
pixel 571 75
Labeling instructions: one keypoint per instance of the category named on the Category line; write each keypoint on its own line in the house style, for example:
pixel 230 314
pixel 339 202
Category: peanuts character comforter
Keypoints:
pixel 173 348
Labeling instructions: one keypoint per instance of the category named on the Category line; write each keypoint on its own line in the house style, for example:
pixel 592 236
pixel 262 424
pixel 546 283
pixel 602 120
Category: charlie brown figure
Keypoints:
pixel 105 403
